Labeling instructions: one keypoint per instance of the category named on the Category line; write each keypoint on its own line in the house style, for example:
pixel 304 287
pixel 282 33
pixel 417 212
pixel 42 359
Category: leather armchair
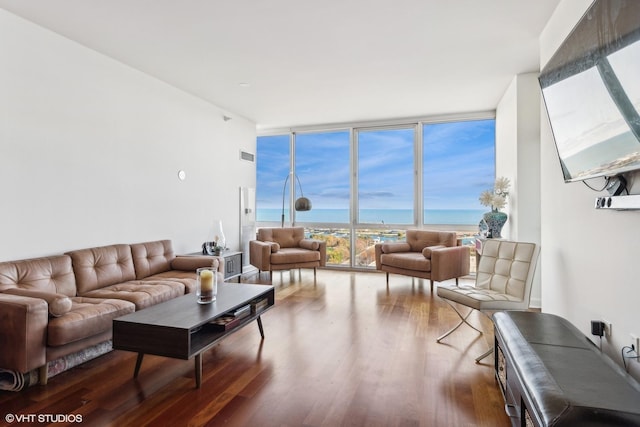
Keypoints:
pixel 433 255
pixel 285 249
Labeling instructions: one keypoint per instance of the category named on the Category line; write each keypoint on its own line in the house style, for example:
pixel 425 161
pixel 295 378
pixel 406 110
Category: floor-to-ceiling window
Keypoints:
pixel 273 165
pixel 322 163
pixel 386 175
pixel 458 164
pixel 370 184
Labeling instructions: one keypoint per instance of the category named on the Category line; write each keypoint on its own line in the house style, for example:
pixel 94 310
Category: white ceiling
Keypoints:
pixel 310 62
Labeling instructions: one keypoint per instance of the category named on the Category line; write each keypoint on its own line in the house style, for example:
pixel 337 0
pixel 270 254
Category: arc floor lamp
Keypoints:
pixel 302 204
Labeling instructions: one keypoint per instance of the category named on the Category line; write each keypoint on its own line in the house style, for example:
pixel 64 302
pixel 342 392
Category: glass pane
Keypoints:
pixel 458 164
pixel 272 168
pixel 366 240
pixel 338 244
pixel 385 176
pixel 322 165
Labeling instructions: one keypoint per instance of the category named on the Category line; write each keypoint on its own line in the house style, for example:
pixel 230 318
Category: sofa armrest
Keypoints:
pixel 449 263
pixel 57 304
pixel 260 254
pixel 193 262
pixel 387 248
pixel 23 329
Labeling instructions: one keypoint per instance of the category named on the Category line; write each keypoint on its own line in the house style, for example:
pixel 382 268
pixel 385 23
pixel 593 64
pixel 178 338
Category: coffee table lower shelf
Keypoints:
pixel 183 329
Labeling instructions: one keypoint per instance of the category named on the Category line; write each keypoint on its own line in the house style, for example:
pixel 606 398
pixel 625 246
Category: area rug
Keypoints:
pixel 16 381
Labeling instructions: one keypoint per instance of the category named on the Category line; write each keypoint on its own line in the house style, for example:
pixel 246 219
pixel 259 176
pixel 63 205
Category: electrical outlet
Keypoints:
pixel 607 328
pixel 635 341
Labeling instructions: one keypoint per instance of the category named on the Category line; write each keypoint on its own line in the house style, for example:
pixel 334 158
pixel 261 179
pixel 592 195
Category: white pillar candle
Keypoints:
pixel 206 281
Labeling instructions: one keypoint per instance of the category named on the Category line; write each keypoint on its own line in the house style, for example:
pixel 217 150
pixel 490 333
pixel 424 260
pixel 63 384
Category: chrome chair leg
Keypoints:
pixel 463 320
pixel 483 355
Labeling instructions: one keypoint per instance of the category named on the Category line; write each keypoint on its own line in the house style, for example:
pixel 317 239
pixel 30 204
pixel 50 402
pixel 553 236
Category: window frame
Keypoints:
pixel 354 226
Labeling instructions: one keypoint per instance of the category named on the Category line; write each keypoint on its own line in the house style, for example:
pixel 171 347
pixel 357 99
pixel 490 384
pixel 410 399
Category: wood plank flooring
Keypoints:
pixel 344 350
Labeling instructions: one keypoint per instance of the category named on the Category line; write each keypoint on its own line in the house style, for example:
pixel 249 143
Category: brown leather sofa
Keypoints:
pixel 433 255
pixel 54 306
pixel 285 249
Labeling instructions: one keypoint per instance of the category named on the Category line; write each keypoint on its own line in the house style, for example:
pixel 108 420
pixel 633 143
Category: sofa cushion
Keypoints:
pixel 87 317
pixel 389 248
pixel 407 260
pixel 310 244
pixel 294 256
pixel 426 252
pixel 152 257
pixel 143 293
pixel 57 304
pixel 186 278
pixel 102 266
pixel 52 274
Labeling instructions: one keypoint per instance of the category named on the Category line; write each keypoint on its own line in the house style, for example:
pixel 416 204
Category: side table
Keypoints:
pixel 232 263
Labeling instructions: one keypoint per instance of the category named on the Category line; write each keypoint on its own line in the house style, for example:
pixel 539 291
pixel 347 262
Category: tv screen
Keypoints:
pixel 591 90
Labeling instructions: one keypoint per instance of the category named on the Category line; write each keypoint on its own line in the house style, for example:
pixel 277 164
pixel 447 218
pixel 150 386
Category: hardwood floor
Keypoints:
pixel 343 351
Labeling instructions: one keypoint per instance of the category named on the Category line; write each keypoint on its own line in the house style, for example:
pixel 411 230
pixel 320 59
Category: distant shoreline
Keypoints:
pixel 378 216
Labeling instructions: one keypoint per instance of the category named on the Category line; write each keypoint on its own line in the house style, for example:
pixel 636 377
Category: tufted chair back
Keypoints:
pixel 288 237
pixel 52 274
pixel 506 267
pixel 151 258
pixel 420 239
pixel 103 266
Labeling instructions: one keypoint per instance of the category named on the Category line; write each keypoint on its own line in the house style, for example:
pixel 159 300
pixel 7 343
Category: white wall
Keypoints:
pixel 518 158
pixel 90 151
pixel 589 257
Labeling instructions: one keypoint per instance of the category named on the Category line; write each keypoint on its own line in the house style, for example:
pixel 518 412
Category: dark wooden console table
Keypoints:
pixel 182 328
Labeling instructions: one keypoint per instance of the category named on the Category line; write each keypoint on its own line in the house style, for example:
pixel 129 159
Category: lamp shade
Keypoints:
pixel 303 204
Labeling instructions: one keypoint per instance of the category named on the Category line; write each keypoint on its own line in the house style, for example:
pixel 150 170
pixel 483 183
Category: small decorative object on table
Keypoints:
pixel 212 248
pixel 219 243
pixel 206 285
pixel 496 199
pixel 219 239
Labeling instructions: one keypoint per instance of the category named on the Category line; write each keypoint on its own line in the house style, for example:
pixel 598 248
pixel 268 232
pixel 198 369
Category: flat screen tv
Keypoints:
pixel 591 90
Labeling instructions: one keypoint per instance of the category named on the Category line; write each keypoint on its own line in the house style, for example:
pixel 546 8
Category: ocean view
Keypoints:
pixel 377 216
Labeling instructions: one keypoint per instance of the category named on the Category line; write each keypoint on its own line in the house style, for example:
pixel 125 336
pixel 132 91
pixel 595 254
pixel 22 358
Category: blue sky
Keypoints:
pixel 458 165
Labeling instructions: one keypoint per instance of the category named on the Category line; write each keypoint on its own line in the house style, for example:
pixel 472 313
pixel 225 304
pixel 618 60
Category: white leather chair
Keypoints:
pixel 503 282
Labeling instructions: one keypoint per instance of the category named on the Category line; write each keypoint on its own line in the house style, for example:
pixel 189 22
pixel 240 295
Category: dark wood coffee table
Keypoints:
pixel 182 328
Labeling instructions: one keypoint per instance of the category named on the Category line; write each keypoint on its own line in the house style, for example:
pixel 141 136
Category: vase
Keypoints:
pixel 218 234
pixel 495 221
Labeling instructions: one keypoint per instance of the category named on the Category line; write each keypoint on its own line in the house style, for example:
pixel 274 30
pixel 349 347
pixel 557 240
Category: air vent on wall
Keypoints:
pixel 244 155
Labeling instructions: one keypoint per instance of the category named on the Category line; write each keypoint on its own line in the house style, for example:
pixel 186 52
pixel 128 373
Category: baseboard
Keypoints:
pixel 249 270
